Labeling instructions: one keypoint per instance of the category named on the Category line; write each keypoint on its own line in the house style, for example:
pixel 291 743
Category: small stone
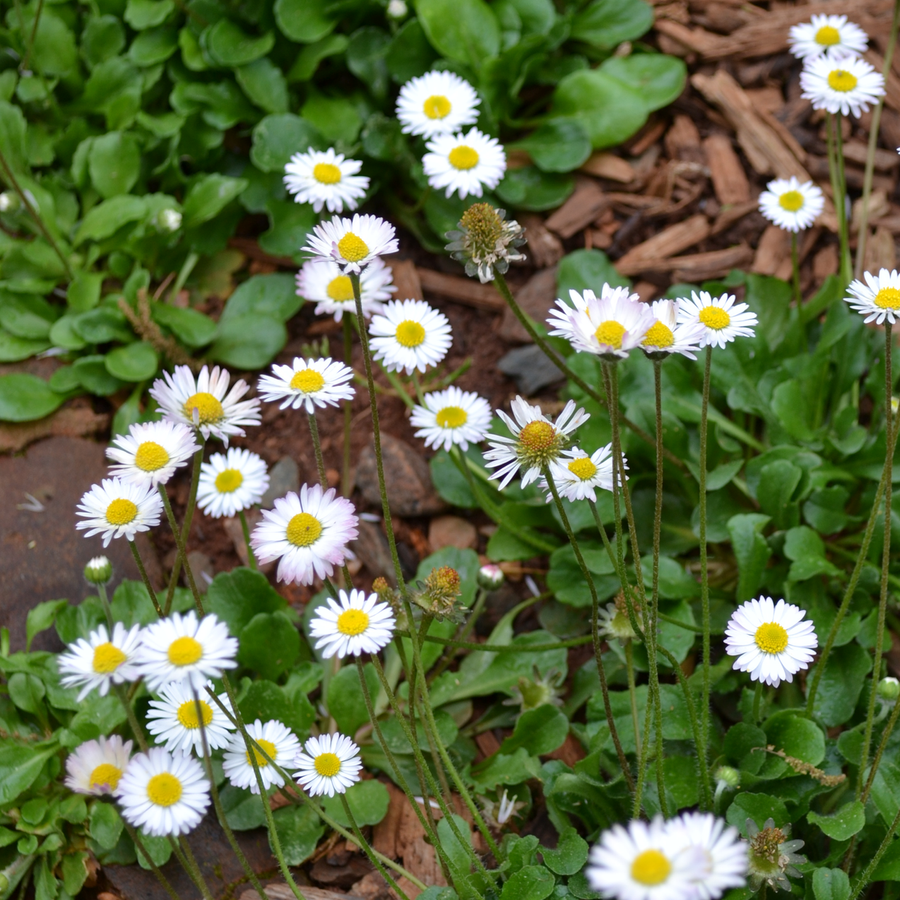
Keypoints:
pixel 236 533
pixel 536 298
pixel 531 369
pixel 372 551
pixel 202 569
pixel 451 531
pixel 284 476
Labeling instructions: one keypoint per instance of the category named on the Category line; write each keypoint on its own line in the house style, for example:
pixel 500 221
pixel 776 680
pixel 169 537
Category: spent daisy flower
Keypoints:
pixel 847 85
pixel 280 745
pixel 308 532
pixel 722 319
pixel 464 164
pixel 102 660
pixel 578 475
pixel 772 641
pixel 409 335
pixel 717 855
pixel 352 243
pixel 325 178
pixel 152 451
pixel 185 648
pixel 328 764
pixel 436 103
pixel 173 719
pixel 206 402
pixel 791 204
pixel 352 624
pixel 667 335
pixel 97 766
pixel 831 36
pixel 878 298
pixel 451 416
pixel 231 482
pixel 321 281
pixel 162 793
pixel 485 243
pixel 308 383
pixel 536 441
pixel 117 509
pixel 772 856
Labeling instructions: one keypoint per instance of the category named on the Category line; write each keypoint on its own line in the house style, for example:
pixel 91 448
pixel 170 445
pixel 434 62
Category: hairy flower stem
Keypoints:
pixel 144 577
pixel 795 268
pixel 179 543
pixel 839 191
pixel 191 866
pixel 876 760
pixel 186 525
pixel 757 698
pixel 107 609
pixel 632 689
pixel 317 446
pixel 139 736
pixel 251 556
pixel 864 878
pixel 154 868
pixel 347 324
pixel 704 563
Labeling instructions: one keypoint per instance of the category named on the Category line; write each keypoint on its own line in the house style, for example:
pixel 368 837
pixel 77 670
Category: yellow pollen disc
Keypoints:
pixel 583 468
pixel 715 318
pixel 828 36
pixel 888 298
pixel 150 456
pixel 463 158
pixel 107 658
pixel 326 173
pixel 792 201
pixel 228 481
pixel 187 714
pixel 841 80
pixel 185 651
pixel 339 289
pixel 537 435
pixel 106 775
pixel 659 335
pixel 164 789
pixel 269 747
pixel 327 764
pixel 650 868
pixel 410 334
pixel 352 248
pixel 610 333
pixel 436 107
pixel 451 417
pixel 208 408
pixel 352 622
pixel 121 512
pixel 303 530
pixel 308 381
pixel 771 638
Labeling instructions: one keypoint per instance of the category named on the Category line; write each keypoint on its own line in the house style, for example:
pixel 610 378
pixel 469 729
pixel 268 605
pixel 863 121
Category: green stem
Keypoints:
pixel 398 386
pixel 347 324
pixel 795 268
pixel 251 556
pixel 182 551
pixel 191 866
pixel 704 563
pixel 144 577
pixel 876 760
pixel 757 697
pixel 139 736
pixel 154 868
pixel 863 879
pixel 23 66
pixel 107 609
pixel 186 525
pixel 505 648
pixel 317 446
pixel 835 163
pixel 462 632
pixel 632 688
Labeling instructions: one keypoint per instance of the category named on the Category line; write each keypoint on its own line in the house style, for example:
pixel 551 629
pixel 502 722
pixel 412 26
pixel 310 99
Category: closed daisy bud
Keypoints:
pixel 98 570
pixel 490 577
pixel 328 764
pixel 96 767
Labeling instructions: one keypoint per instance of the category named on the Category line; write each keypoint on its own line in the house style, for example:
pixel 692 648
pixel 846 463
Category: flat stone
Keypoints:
pixel 531 369
pixel 284 476
pixel 535 298
pixel 451 531
pixel 282 891
pixel 373 551
pixel 236 533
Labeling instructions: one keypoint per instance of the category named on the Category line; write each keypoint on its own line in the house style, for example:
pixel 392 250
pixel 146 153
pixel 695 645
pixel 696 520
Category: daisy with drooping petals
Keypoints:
pixel 831 36
pixel 328 764
pixel 280 745
pixel 577 475
pixel 325 178
pixel 308 383
pixel 183 648
pixel 436 103
pixel 118 509
pixel 97 766
pixel 218 411
pixel 536 441
pixel 772 641
pixel 173 719
pixel 231 482
pixel 878 298
pixel 321 281
pixel 352 625
pixel 101 660
pixel 409 335
pixel 464 164
pixel 667 335
pixel 352 243
pixel 451 417
pixel 722 319
pixel 152 451
pixel 717 855
pixel 309 532
pixel 162 793
pixel 846 85
pixel 791 204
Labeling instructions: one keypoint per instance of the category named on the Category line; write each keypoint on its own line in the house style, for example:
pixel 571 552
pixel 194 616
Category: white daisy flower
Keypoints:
pixel 452 416
pixel 771 641
pixel 101 660
pixel 791 204
pixel 183 648
pixel 352 625
pixel 325 178
pixel 436 103
pixel 308 383
pixel 831 36
pixel 667 335
pixel 535 441
pixel 879 298
pixel 309 533
pixel 577 475
pixel 409 335
pixel 609 325
pixel 321 281
pixel 276 740
pixel 97 766
pixel 352 243
pixel 118 509
pixel 231 482
pixel 717 855
pixel 152 451
pixel 173 718
pixel 846 85
pixel 722 319
pixel 329 765
pixel 219 412
pixel 464 164
pixel 639 863
pixel 163 793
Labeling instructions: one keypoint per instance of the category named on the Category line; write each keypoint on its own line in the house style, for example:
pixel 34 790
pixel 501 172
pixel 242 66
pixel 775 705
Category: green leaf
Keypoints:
pixel 807 550
pixel 272 295
pixel 409 55
pixel 530 883
pixel 265 700
pixel 208 196
pixel 153 46
pixel 583 269
pixel 337 118
pixel 539 731
pixel 606 23
pixel 831 884
pixel 228 46
pixel 365 58
pixel 344 697
pixel 190 326
pixel 299 830
pixel 14 349
pixel 464 30
pixel 276 138
pixel 570 855
pixel 269 644
pixel 74 871
pixel 12 137
pixel 263 82
pixel 27 316
pixel 237 596
pixel 105 219
pixel 83 292
pixel 559 145
pixel 248 342
pixel 133 362
pixel 777 482
pixel 27 691
pixel 757 807
pixel 105 824
pixel 505 769
pixel 850 819
pixel 797 736
pixel 159 848
pixel 243 810
pixel 54 50
pixel 101 325
pixel 311 55
pixel 888 868
pixel 458 854
pixel 368 801
pixel 658 77
pixel 751 550
pixel 40 618
pixel 21 765
pixel 304 21
pixel 141 14
pixel 25 398
pixel 94 377
pixel 842 683
pixel 114 162
pixel 529 188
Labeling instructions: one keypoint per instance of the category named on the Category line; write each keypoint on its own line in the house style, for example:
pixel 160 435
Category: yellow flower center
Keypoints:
pixel 463 158
pixel 791 201
pixel 451 417
pixel 771 638
pixel 150 456
pixel 107 658
pixel 121 512
pixel 352 622
pixel 228 481
pixel 106 775
pixel 650 868
pixel 303 530
pixel 164 789
pixel 261 760
pixel 659 335
pixel 184 651
pixel 410 334
pixel 582 468
pixel 841 80
pixel 537 435
pixel 327 764
pixel 610 333
pixel 308 381
pixel 339 289
pixel 326 173
pixel 436 107
pixel 715 318
pixel 187 714
pixel 888 298
pixel 828 36
pixel 208 408
pixel 352 248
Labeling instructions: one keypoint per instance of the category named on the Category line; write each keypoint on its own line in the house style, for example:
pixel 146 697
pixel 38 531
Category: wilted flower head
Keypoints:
pixel 539 690
pixel 485 243
pixel 613 620
pixel 440 593
pixel 772 856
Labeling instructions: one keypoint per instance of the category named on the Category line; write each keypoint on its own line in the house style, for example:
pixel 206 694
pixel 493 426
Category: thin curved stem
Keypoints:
pixel 704 562
pixel 136 729
pixel 795 268
pixel 144 577
pixel 245 528
pixel 186 525
pixel 347 325
pixel 876 760
pixel 863 879
pixel 190 865
pixel 317 446
pixel 179 542
pixel 154 868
